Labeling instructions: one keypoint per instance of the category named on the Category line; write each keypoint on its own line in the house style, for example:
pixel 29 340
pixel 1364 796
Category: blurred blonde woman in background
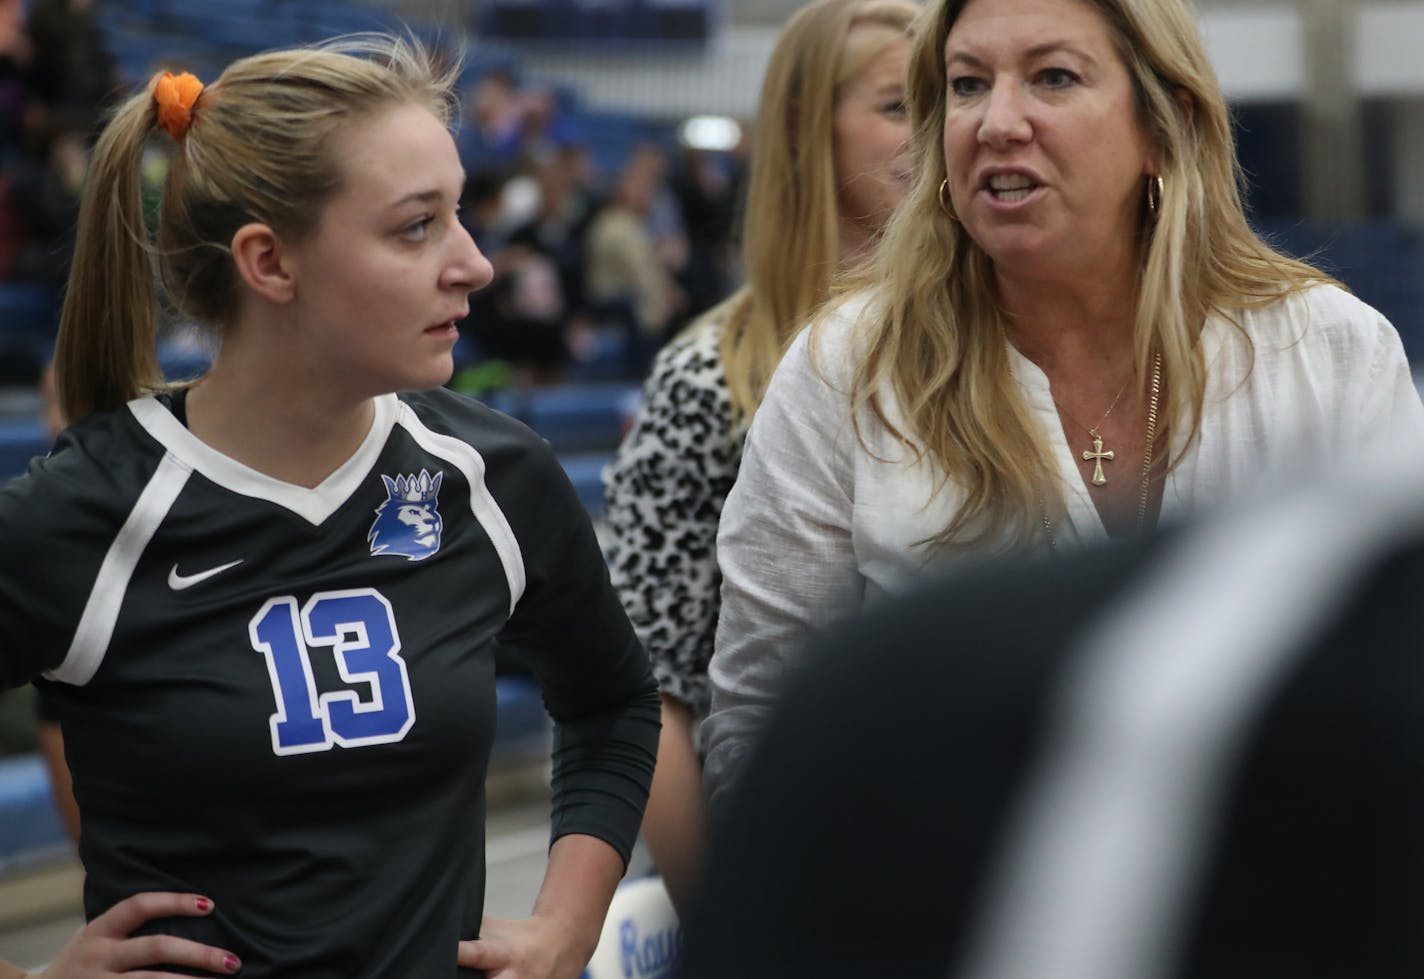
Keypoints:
pixel 1069 331
pixel 830 162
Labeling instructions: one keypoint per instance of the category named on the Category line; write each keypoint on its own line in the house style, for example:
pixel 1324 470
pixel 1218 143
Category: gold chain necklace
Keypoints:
pixel 1145 492
pixel 1096 455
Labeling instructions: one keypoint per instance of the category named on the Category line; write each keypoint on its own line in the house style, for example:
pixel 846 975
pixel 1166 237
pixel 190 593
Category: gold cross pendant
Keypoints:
pixel 1096 457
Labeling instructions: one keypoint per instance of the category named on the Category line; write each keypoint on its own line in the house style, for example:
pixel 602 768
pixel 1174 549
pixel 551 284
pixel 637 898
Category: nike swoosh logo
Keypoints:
pixel 178 581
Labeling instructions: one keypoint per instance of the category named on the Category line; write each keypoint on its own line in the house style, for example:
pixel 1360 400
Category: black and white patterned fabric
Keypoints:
pixel 664 496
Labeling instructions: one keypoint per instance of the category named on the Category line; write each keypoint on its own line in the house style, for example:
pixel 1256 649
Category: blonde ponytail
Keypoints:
pixel 106 354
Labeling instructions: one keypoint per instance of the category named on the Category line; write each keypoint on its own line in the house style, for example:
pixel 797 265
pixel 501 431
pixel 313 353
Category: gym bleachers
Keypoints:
pixel 585 471
pixel 29 317
pixel 30 829
pixel 1381 261
pixel 582 422
pixel 27 311
pixel 573 417
pixel 21 439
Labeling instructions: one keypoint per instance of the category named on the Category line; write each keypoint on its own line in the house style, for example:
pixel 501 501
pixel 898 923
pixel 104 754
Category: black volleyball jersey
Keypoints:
pixel 283 698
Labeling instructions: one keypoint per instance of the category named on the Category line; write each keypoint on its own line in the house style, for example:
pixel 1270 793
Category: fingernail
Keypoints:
pixel 231 964
pixel 204 904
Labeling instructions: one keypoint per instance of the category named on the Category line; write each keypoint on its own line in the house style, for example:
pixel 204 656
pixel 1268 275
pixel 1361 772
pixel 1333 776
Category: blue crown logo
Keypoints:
pixel 408 523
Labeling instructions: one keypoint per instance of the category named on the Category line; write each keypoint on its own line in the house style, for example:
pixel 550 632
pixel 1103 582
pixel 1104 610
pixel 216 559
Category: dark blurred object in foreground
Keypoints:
pixel 1198 757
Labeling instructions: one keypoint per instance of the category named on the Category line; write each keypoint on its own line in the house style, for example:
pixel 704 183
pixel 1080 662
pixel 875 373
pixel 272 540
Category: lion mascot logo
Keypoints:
pixel 409 522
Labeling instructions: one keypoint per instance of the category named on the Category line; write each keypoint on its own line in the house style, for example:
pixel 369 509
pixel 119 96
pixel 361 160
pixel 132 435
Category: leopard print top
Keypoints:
pixel 664 494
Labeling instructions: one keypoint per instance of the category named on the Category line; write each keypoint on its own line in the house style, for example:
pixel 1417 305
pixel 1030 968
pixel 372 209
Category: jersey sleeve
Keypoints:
pixel 594 674
pixel 52 522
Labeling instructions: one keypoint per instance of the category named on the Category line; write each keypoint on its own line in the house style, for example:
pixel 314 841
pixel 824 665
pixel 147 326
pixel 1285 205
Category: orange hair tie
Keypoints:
pixel 175 95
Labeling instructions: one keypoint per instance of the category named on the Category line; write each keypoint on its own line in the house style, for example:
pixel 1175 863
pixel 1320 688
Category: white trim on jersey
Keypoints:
pixel 314 504
pixel 1103 849
pixel 101 610
pixel 465 458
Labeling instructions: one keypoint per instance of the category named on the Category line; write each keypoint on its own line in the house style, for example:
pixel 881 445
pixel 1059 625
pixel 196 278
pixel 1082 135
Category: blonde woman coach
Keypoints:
pixel 830 163
pixel 1070 333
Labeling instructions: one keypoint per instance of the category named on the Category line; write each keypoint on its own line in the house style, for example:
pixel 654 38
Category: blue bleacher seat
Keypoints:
pixel 29 823
pixel 608 357
pixel 611 136
pixel 1381 261
pixel 28 310
pixel 243 35
pixel 573 417
pixel 522 726
pixel 585 471
pixel 21 439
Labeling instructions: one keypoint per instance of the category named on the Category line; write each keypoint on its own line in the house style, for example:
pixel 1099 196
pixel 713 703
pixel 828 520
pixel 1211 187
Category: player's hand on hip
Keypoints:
pixel 104 947
pixel 536 947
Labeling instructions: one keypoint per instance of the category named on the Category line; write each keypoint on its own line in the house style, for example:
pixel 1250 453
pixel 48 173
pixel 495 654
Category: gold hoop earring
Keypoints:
pixel 944 204
pixel 1156 188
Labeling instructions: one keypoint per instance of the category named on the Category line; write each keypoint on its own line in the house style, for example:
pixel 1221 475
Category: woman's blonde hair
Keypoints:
pixel 790 235
pixel 937 335
pixel 259 149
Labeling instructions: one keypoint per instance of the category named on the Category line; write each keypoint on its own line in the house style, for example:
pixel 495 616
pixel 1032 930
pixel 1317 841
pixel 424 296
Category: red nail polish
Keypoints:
pixel 204 904
pixel 231 964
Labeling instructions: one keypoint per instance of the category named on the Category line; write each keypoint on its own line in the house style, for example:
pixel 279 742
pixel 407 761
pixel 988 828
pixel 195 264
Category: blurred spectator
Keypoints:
pixel 531 314
pixel 707 187
pixel 665 220
pixel 39 205
pixel 560 225
pixel 545 129
pixel 55 78
pixel 44 184
pixel 71 71
pixel 520 318
pixel 835 77
pixel 624 272
pixel 481 210
pixel 494 137
pixel 16 53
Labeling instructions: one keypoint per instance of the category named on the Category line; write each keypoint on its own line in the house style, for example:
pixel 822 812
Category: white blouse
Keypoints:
pixel 818 524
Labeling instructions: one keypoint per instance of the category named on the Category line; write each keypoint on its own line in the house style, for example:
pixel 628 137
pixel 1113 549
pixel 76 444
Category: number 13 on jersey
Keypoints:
pixel 361 630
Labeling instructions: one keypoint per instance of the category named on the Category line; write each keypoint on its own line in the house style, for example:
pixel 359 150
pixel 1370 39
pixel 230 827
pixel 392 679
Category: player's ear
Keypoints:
pixel 259 255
